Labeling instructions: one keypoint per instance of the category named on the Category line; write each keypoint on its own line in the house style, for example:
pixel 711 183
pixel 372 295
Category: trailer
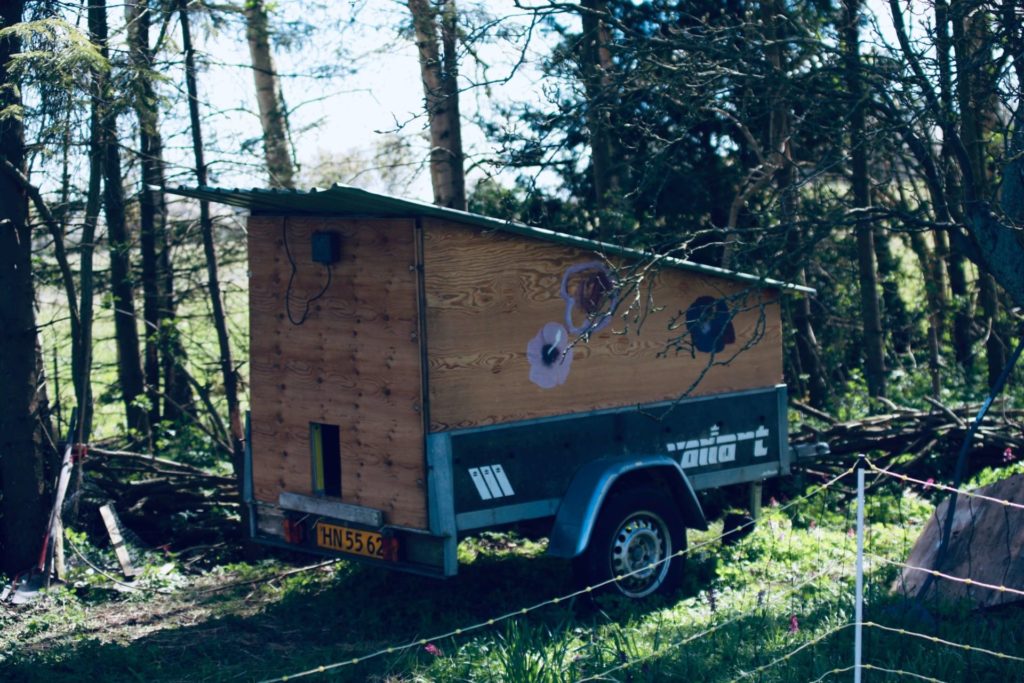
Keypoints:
pixel 419 374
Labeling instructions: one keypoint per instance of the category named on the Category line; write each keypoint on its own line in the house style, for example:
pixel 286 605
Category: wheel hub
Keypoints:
pixel 639 554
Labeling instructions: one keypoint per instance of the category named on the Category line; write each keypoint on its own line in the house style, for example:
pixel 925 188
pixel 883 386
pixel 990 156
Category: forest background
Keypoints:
pixel 864 149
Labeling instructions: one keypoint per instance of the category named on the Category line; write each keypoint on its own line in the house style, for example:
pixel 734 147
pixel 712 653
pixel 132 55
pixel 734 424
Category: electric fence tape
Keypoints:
pixel 901 672
pixel 949 577
pixel 834 672
pixel 792 653
pixel 945 487
pixel 942 641
pixel 872 667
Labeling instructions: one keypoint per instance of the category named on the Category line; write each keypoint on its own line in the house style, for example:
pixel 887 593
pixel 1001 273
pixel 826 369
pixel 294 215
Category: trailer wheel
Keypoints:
pixel 637 534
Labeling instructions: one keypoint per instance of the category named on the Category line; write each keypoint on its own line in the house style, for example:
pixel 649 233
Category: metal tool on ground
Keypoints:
pixel 26 586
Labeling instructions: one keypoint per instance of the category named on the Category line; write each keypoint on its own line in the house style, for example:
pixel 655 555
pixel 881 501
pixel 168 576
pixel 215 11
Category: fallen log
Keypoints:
pixel 163 502
pixel 930 437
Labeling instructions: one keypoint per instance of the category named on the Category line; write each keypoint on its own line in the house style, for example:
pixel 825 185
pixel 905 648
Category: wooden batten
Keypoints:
pixel 354 361
pixel 489 293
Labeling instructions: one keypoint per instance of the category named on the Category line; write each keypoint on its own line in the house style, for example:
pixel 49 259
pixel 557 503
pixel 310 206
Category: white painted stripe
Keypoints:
pixel 492 483
pixel 506 485
pixel 481 487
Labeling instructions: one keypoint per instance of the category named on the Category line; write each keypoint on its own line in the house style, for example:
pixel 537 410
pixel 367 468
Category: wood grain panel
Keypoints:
pixel 354 362
pixel 488 294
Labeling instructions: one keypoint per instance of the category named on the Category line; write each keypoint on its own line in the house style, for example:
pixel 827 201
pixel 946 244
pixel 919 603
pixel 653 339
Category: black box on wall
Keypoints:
pixel 326 247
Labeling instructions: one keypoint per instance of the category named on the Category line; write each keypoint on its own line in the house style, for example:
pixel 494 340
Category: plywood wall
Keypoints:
pixel 354 362
pixel 489 293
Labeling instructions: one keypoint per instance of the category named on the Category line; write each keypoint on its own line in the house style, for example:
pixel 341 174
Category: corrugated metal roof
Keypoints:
pixel 344 200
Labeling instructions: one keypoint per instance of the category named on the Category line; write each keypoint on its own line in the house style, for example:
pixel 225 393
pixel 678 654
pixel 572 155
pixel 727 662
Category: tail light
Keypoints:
pixel 390 551
pixel 294 532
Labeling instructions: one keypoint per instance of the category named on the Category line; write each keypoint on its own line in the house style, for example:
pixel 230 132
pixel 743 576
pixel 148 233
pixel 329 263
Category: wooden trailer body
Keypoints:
pixel 417 373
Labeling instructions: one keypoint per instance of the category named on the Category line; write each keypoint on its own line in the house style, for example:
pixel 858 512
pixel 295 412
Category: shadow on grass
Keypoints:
pixel 315 621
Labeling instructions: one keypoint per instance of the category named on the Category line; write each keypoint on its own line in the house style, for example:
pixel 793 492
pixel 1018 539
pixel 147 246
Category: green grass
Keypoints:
pixel 733 617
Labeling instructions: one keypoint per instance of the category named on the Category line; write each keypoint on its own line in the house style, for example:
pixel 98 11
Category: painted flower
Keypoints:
pixel 432 649
pixel 550 356
pixel 710 324
pixel 589 291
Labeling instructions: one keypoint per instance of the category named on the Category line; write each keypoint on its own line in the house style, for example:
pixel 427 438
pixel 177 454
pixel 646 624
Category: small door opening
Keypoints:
pixel 325 444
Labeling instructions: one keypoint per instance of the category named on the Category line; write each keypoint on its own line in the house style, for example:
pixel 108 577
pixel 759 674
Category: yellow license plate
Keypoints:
pixel 353 541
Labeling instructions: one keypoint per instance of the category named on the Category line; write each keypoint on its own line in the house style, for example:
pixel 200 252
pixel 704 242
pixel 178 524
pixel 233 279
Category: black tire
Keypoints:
pixel 637 536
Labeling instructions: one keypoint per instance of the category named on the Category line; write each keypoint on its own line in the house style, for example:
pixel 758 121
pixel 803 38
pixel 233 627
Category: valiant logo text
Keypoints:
pixel 719 448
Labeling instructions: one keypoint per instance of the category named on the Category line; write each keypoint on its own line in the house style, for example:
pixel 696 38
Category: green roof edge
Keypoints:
pixel 341 199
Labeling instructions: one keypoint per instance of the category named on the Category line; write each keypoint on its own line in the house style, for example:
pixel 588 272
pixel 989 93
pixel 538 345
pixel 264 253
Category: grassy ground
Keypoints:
pixel 744 614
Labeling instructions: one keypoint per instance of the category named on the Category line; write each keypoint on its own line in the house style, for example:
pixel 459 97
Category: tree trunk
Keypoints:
pixel 596 65
pixel 960 301
pixel 206 226
pixel 976 93
pixel 59 231
pixel 998 245
pixel 440 76
pixel 938 279
pixel 23 503
pixel 995 344
pixel 773 13
pixel 152 211
pixel 83 378
pixel 126 333
pixel 962 304
pixel 274 120
pixel 928 262
pixel 871 317
pixel 895 316
pixel 164 355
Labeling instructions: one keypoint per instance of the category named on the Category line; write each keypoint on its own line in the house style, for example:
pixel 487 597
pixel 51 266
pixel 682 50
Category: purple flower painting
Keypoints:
pixel 710 324
pixel 550 356
pixel 589 291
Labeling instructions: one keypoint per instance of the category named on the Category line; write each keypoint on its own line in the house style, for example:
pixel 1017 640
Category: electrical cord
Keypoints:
pixel 291 281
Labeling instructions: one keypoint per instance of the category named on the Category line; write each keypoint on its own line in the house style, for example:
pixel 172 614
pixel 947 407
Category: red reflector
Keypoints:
pixel 390 550
pixel 294 532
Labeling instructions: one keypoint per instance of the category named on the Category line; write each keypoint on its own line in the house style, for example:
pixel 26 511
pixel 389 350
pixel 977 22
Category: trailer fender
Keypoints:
pixel 591 485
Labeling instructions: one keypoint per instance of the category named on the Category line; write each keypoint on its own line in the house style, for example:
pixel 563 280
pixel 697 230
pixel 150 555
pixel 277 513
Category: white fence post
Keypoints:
pixel 859 605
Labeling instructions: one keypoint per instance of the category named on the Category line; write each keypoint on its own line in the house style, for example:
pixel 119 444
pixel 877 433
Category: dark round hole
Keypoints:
pixel 549 354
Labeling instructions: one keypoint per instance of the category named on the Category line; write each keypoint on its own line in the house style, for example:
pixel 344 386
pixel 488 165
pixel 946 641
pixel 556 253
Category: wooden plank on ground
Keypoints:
pixel 113 525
